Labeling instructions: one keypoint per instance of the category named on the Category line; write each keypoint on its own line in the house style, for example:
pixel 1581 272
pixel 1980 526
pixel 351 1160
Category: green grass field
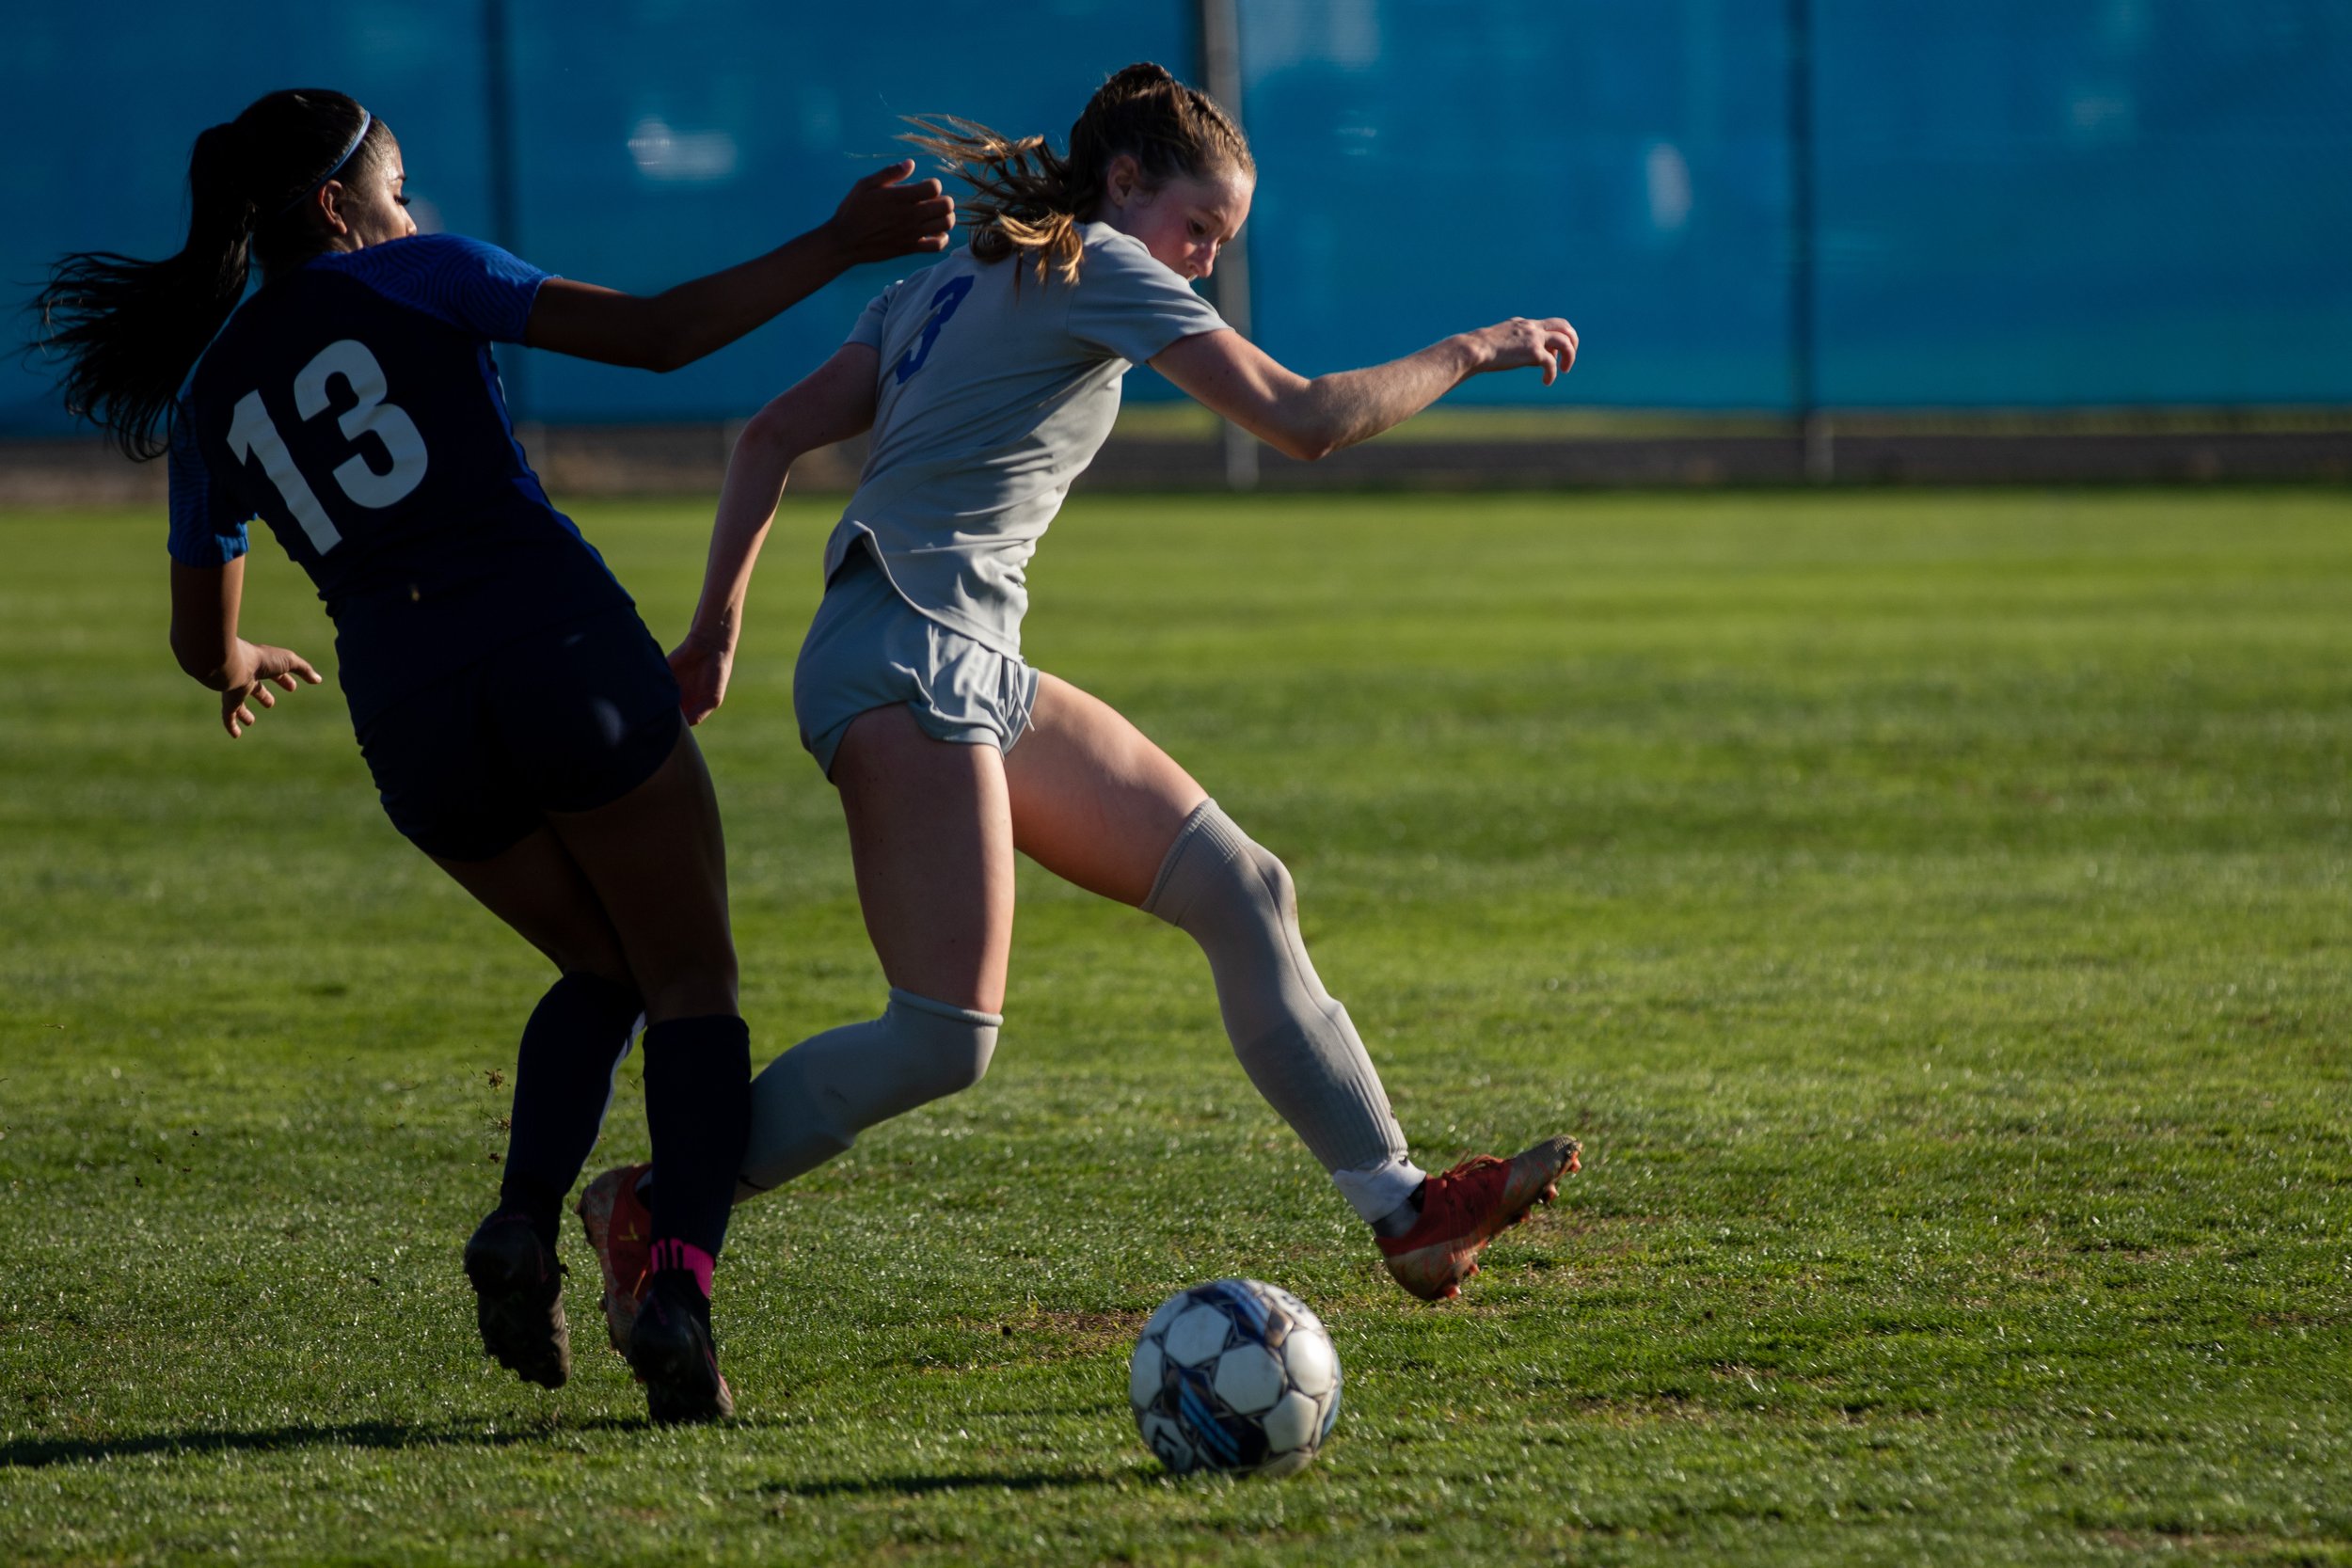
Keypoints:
pixel 1934 912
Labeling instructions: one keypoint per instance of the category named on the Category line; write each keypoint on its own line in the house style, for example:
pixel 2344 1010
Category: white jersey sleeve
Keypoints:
pixel 868 329
pixel 1129 306
pixel 993 392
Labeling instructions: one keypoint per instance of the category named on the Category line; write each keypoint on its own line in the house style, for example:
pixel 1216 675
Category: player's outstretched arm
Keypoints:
pixel 879 218
pixel 204 605
pixel 1311 419
pixel 833 403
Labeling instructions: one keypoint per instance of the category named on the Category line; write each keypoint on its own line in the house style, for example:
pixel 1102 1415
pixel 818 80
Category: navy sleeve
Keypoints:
pixel 470 285
pixel 207 527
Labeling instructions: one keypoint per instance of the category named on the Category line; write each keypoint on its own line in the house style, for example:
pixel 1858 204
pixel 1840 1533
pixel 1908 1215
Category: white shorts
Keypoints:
pixel 868 648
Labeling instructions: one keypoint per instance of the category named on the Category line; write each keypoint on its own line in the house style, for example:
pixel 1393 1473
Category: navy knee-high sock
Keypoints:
pixel 698 1106
pixel 563 1082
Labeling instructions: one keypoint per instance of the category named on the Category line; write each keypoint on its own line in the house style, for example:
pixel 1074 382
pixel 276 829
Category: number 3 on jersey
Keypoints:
pixel 943 306
pixel 252 434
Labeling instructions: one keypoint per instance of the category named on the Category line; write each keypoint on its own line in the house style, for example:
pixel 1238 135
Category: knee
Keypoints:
pixel 943 1050
pixel 1216 878
pixel 592 950
pixel 1272 883
pixel 602 980
pixel 812 1101
pixel 952 1072
pixel 1252 890
pixel 964 1064
pixel 696 991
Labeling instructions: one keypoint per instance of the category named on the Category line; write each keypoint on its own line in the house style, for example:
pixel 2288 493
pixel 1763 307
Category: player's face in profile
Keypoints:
pixel 1185 222
pixel 375 205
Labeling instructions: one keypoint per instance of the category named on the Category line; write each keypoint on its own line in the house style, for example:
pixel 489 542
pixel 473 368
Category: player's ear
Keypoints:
pixel 1122 179
pixel 330 201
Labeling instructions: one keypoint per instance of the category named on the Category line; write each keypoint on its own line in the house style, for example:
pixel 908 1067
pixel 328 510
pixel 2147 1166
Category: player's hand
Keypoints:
pixel 1548 345
pixel 881 217
pixel 264 667
pixel 701 665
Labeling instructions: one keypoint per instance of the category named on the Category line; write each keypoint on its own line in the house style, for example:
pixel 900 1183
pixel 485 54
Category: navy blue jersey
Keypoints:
pixel 353 406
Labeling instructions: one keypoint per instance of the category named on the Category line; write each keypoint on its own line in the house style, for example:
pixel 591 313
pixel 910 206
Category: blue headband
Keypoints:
pixel 358 136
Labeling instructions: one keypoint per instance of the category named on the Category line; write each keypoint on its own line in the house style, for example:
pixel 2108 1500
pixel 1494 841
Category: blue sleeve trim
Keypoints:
pixel 471 285
pixel 205 529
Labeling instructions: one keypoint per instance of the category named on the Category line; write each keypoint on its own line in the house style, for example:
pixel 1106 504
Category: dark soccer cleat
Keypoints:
pixel 518 1297
pixel 1468 1206
pixel 620 1231
pixel 670 1347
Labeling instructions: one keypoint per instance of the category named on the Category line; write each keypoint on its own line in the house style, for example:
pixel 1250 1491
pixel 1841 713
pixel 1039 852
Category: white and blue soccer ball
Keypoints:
pixel 1234 1375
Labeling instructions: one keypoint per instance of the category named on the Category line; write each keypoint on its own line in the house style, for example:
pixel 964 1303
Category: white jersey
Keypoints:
pixel 994 393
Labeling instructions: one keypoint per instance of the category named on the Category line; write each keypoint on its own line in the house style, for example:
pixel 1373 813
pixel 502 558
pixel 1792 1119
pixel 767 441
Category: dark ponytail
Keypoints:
pixel 130 331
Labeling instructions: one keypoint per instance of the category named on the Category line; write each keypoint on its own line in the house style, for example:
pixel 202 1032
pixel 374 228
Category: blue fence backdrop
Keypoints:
pixel 1743 204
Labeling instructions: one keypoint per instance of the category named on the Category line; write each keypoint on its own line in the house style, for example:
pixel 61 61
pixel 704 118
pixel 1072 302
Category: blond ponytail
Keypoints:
pixel 1029 200
pixel 1022 194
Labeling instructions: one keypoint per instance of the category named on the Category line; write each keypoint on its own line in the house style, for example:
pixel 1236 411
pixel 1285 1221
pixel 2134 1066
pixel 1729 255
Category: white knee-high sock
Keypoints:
pixel 810 1103
pixel 1294 1040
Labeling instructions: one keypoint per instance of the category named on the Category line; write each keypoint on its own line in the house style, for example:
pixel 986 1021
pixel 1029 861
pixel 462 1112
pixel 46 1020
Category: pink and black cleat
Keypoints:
pixel 674 1355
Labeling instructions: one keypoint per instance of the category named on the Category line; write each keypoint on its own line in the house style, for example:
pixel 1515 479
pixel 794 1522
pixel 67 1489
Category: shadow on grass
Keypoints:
pixel 35 1453
pixel 917 1486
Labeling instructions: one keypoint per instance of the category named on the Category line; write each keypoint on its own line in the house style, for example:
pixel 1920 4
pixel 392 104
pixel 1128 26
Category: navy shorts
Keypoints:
pixel 565 719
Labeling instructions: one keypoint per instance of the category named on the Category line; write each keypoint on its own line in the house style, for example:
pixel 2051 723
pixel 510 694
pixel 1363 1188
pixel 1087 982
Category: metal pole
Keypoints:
pixel 1220 59
pixel 1820 451
pixel 497 110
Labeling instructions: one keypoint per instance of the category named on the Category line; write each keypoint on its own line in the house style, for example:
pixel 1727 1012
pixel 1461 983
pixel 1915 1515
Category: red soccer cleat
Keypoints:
pixel 620 1230
pixel 1466 1207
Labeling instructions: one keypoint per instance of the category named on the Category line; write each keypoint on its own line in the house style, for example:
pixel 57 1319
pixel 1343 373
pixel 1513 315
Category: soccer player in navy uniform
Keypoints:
pixel 521 725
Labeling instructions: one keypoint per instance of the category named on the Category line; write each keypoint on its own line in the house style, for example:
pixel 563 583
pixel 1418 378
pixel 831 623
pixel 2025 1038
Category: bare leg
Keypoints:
pixel 1090 797
pixel 1099 804
pixel 932 841
pixel 539 889
pixel 658 863
pixel 634 891
pixel 1094 802
pixel 931 837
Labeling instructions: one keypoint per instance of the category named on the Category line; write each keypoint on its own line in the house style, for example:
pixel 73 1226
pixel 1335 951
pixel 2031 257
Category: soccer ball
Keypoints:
pixel 1234 1375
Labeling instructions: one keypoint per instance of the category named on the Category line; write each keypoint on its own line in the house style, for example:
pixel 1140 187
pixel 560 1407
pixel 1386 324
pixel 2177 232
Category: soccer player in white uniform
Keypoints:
pixel 989 382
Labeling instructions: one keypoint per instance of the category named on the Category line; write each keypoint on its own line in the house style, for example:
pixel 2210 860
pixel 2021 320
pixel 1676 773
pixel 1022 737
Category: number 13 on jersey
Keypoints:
pixel 251 434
